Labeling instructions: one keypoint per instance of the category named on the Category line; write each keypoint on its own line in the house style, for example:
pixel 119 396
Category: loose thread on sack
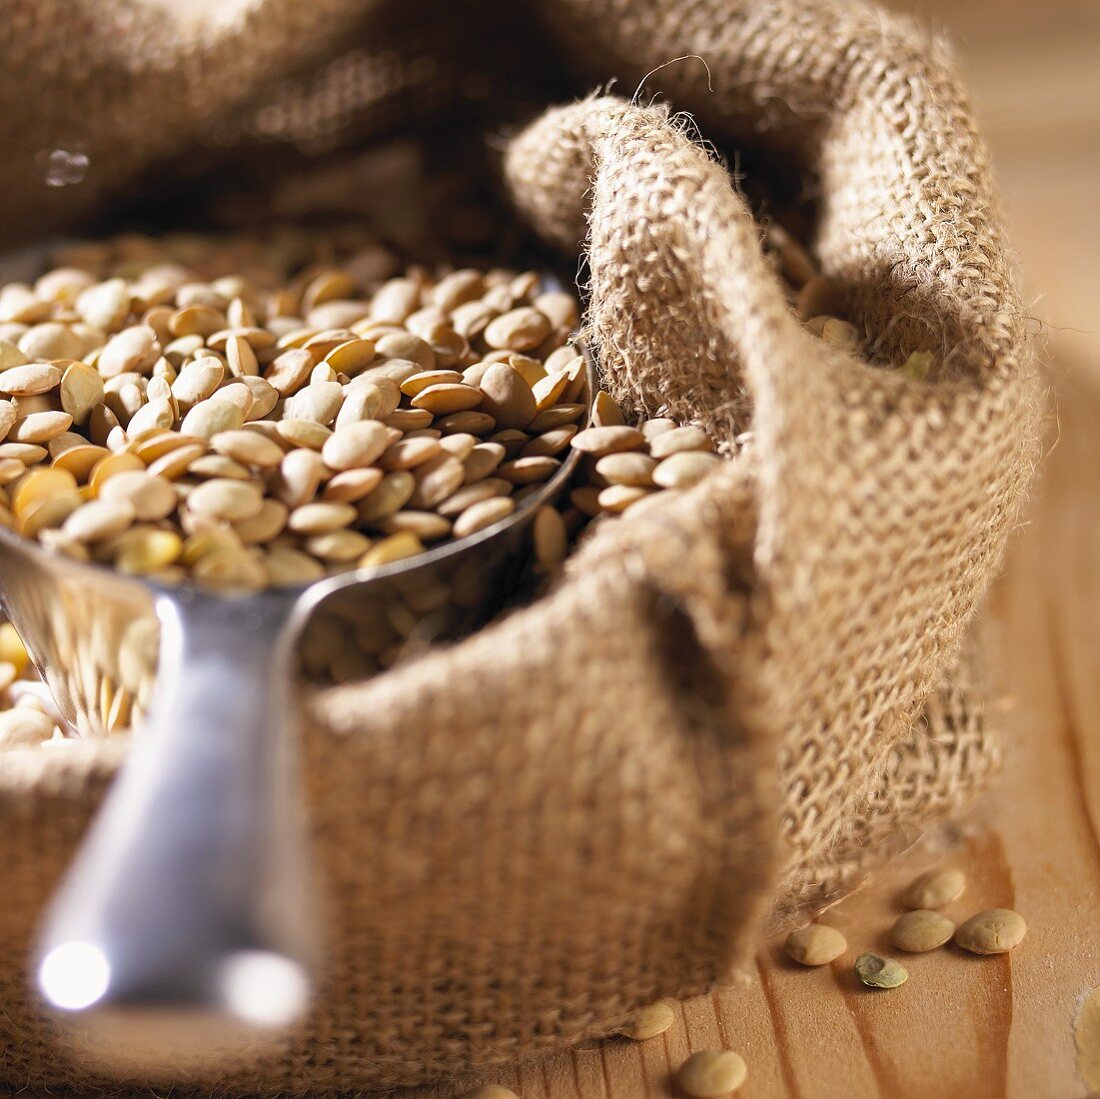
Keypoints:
pixel 665 65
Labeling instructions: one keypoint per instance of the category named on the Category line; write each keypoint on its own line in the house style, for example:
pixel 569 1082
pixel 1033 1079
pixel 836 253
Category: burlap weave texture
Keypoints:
pixel 734 703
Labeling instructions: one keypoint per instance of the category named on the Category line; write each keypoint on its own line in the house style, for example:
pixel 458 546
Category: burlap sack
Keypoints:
pixel 718 713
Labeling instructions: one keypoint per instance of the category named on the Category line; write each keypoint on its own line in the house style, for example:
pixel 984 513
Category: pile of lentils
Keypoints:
pixel 255 411
pixel 301 416
pixel 241 437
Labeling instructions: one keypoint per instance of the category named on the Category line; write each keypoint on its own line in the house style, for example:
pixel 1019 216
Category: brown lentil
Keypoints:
pixel 483 514
pixel 629 468
pixel 229 500
pixel 618 498
pixel 711 1073
pixel 472 494
pixel 920 930
pixel 608 440
pixel 395 548
pixel 551 539
pixel 99 519
pixel 321 518
pixel 815 944
pixel 150 497
pixel 994 931
pixel 29 381
pixel 519 329
pixel 649 1021
pixel 678 440
pixel 507 397
pixel 934 888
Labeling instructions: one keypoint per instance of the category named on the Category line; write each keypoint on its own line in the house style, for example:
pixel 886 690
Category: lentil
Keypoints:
pixel 483 514
pixel 29 381
pixel 994 931
pixel 629 468
pixel 934 888
pixel 395 548
pixel 520 329
pixel 682 469
pixel 507 397
pixel 99 519
pixel 150 498
pixel 921 930
pixel 815 944
pixel 678 440
pixel 649 1021
pixel 551 539
pixel 144 550
pixel 602 441
pixel 8 417
pixel 877 972
pixel 618 498
pixel 711 1073
pixel 229 500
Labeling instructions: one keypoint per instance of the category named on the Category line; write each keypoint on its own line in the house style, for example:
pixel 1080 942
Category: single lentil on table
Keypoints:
pixel 711 1073
pixel 875 971
pixel 920 930
pixel 649 1021
pixel 994 931
pixel 815 944
pixel 934 888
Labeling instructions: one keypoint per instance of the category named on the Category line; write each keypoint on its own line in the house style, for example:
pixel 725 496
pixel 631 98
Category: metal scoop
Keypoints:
pixel 184 931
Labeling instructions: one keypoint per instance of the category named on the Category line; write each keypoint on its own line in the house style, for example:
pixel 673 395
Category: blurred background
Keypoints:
pixel 1033 67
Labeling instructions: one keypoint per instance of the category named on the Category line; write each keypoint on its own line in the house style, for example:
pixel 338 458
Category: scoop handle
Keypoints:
pixel 183 931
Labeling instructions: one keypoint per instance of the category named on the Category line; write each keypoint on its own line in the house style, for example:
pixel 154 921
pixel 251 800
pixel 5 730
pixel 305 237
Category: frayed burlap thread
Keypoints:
pixel 733 703
pixel 883 502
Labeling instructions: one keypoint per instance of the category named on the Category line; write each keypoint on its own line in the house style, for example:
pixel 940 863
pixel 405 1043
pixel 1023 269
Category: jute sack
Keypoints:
pixel 733 704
